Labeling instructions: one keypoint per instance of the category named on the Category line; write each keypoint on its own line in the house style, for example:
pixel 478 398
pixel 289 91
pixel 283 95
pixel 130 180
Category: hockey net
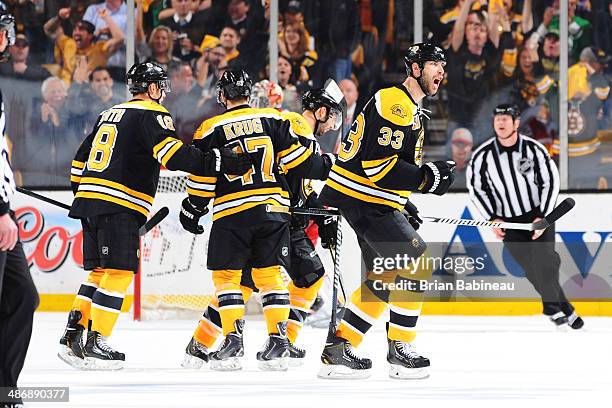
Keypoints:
pixel 173 282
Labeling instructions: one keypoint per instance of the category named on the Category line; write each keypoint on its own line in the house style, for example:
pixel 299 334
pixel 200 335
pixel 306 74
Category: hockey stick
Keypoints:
pixel 333 324
pixel 332 252
pixel 148 226
pixel 43 198
pixel 302 211
pixel 559 211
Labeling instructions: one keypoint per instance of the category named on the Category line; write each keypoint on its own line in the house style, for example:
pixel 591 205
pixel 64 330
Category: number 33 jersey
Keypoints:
pixel 116 168
pixel 274 148
pixel 379 158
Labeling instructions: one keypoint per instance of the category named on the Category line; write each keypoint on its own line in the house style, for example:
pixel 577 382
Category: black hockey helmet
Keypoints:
pixel 141 75
pixel 421 53
pixel 330 97
pixel 507 109
pixel 7 23
pixel 234 84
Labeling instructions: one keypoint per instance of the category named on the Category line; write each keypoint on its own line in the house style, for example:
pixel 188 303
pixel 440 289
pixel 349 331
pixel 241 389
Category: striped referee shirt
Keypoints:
pixel 509 182
pixel 7 183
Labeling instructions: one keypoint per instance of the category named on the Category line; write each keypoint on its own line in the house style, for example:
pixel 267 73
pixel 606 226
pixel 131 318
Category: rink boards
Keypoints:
pixel 174 260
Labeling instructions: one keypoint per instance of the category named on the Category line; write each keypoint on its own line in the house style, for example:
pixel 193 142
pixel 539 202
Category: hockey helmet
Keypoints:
pixel 234 84
pixel 141 75
pixel 507 109
pixel 421 53
pixel 330 97
pixel 7 23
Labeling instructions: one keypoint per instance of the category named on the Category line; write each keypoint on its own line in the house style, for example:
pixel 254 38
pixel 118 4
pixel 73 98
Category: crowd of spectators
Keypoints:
pixel 68 64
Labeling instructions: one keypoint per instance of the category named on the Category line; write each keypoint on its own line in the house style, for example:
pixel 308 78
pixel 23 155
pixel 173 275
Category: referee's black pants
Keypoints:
pixel 18 301
pixel 541 263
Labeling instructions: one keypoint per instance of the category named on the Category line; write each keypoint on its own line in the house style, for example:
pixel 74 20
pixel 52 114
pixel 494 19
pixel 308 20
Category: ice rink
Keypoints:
pixel 476 361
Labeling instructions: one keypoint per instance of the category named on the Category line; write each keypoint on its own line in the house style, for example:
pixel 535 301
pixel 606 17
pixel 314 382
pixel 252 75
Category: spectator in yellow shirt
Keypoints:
pixel 81 44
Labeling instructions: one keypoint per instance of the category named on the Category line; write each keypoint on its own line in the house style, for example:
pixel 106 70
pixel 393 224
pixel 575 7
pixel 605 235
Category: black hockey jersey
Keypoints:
pixel 116 168
pixel 378 163
pixel 270 140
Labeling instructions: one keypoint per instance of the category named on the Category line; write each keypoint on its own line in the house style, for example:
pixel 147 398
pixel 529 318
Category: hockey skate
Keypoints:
pixel 405 362
pixel 275 354
pixel 296 355
pixel 340 361
pixel 228 357
pixel 574 321
pixel 100 356
pixel 196 355
pixel 71 344
pixel 559 319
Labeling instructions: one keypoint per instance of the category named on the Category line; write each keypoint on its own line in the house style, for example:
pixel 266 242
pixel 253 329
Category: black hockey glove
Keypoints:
pixel 190 217
pixel 439 176
pixel 412 215
pixel 328 225
pixel 228 161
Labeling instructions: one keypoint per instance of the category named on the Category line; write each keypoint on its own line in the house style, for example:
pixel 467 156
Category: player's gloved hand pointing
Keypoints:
pixel 439 176
pixel 411 213
pixel 230 162
pixel 190 216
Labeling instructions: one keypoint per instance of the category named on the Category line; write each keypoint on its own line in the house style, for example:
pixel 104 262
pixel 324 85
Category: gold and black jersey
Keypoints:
pixel 300 187
pixel 378 163
pixel 116 168
pixel 275 149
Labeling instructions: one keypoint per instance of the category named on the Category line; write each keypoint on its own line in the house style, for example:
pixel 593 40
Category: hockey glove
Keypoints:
pixel 190 217
pixel 229 162
pixel 328 225
pixel 412 215
pixel 439 176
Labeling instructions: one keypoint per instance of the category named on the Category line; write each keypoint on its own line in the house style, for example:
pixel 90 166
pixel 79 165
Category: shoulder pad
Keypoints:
pixel 299 126
pixel 394 105
pixel 142 105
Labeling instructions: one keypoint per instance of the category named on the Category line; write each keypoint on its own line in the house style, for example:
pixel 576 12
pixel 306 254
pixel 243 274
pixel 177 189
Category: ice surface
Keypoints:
pixel 476 361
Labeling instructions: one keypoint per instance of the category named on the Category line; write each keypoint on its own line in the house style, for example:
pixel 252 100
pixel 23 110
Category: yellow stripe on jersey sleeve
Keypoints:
pixel 158 147
pixel 249 193
pixel 75 179
pixel 363 197
pixel 78 164
pixel 378 169
pixel 367 182
pixel 168 155
pixel 292 157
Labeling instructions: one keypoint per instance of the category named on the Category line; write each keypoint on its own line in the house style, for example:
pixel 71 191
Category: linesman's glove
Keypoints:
pixel 228 161
pixel 439 176
pixel 190 217
pixel 412 215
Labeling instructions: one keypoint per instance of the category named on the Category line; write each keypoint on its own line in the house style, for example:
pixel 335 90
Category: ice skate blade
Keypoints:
pixel 278 364
pixel 67 356
pixel 341 372
pixel 296 362
pixel 399 372
pixel 96 364
pixel 192 362
pixel 230 364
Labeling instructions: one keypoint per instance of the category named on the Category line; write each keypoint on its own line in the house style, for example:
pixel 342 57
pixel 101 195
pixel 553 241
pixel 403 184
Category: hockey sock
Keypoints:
pixel 229 296
pixel 108 299
pixel 360 314
pixel 209 327
pixel 82 301
pixel 301 300
pixel 403 318
pixel 274 295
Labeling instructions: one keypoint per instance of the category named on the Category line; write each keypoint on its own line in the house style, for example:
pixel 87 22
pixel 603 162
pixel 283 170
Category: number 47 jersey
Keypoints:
pixel 116 168
pixel 273 146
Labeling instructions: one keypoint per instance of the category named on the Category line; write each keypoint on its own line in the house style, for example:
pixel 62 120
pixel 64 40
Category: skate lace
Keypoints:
pixel 348 349
pixel 103 345
pixel 407 349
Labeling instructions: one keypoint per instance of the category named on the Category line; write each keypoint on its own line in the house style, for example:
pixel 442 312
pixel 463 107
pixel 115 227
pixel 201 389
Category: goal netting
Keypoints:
pixel 174 281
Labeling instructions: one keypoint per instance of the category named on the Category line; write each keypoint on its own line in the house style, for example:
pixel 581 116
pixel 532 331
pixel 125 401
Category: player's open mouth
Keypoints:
pixel 437 82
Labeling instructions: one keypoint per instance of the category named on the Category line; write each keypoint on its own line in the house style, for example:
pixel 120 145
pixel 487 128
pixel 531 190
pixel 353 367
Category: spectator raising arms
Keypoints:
pixel 81 43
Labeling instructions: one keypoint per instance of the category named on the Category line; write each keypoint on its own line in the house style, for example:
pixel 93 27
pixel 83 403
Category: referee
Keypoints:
pixel 18 296
pixel 512 178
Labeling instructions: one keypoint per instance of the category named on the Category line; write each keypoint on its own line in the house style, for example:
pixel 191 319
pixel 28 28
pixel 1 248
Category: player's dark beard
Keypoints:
pixel 424 86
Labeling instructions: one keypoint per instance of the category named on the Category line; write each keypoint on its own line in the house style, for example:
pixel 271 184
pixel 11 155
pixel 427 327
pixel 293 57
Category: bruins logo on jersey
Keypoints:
pixel 398 110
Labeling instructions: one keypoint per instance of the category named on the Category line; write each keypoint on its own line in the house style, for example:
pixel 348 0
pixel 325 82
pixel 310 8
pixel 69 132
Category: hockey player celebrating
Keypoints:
pixel 379 164
pixel 243 233
pixel 114 177
pixel 322 112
